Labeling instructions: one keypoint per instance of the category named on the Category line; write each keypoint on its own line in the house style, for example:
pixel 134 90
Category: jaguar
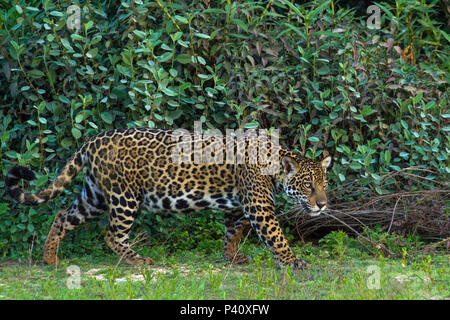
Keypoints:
pixel 133 168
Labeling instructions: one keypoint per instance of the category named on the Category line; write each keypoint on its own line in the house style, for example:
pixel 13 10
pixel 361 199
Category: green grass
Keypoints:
pixel 342 271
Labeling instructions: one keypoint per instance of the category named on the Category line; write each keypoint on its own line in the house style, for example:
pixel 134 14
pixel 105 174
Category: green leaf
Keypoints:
pixel 66 142
pixel 41 181
pixel 378 190
pixel 328 33
pixel 173 103
pixel 139 33
pixel 165 56
pixel 11 154
pixel 89 70
pixel 181 19
pixel 251 125
pixel 366 111
pixel 241 24
pixel 56 14
pixel 79 117
pixel 184 58
pixel 169 92
pixel 404 124
pixel 76 133
pixel 320 8
pixel 294 8
pixel 296 30
pixel 77 37
pixel 18 9
pixel 166 47
pixel 404 155
pixel 176 36
pixel 184 86
pixel 93 125
pixel 107 117
pixel 202 35
pixel 89 24
pixel 387 156
pixel 183 43
pixel 355 166
pixel 63 99
pixel 387 11
pixel 92 53
pixel 173 72
pixel 33 9
pixel 36 73
pixel 324 70
pixel 201 60
pixel 214 10
pixel 96 39
pixel 175 114
pixel 67 45
pixel 446 36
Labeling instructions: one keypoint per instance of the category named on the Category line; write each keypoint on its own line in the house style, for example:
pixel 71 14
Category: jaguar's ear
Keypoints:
pixel 289 165
pixel 325 163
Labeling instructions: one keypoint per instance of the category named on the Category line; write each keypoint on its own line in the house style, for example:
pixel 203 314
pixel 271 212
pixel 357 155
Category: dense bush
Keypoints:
pixel 375 99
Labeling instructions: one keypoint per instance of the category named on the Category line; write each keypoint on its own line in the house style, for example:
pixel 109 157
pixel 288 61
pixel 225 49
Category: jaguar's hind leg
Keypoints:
pixel 56 234
pixel 89 204
pixel 234 227
pixel 120 221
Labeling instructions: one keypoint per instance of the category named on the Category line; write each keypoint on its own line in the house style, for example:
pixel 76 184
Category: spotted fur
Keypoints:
pixel 132 168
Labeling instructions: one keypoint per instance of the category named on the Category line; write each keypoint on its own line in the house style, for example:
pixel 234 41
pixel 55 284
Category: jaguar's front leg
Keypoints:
pixel 264 222
pixel 256 196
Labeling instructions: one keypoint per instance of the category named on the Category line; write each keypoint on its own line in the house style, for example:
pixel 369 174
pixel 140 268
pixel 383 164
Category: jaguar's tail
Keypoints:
pixel 17 173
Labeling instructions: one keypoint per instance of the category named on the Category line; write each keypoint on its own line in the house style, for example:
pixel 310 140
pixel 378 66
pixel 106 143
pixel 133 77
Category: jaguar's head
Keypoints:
pixel 305 181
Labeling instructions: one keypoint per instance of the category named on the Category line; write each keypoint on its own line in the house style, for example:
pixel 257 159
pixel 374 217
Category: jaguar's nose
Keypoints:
pixel 321 204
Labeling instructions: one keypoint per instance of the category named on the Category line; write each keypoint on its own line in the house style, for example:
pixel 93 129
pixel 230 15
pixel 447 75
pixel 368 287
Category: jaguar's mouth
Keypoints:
pixel 312 211
pixel 303 208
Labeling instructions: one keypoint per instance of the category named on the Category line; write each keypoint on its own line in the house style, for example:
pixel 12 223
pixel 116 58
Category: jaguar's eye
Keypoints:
pixel 308 185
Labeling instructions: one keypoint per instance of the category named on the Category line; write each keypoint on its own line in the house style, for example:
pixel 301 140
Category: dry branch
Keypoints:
pixel 416 212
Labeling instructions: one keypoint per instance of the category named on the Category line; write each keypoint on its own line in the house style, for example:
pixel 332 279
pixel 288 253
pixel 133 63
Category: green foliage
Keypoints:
pixel 17 230
pixel 314 70
pixel 197 230
pixel 394 242
pixel 335 241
